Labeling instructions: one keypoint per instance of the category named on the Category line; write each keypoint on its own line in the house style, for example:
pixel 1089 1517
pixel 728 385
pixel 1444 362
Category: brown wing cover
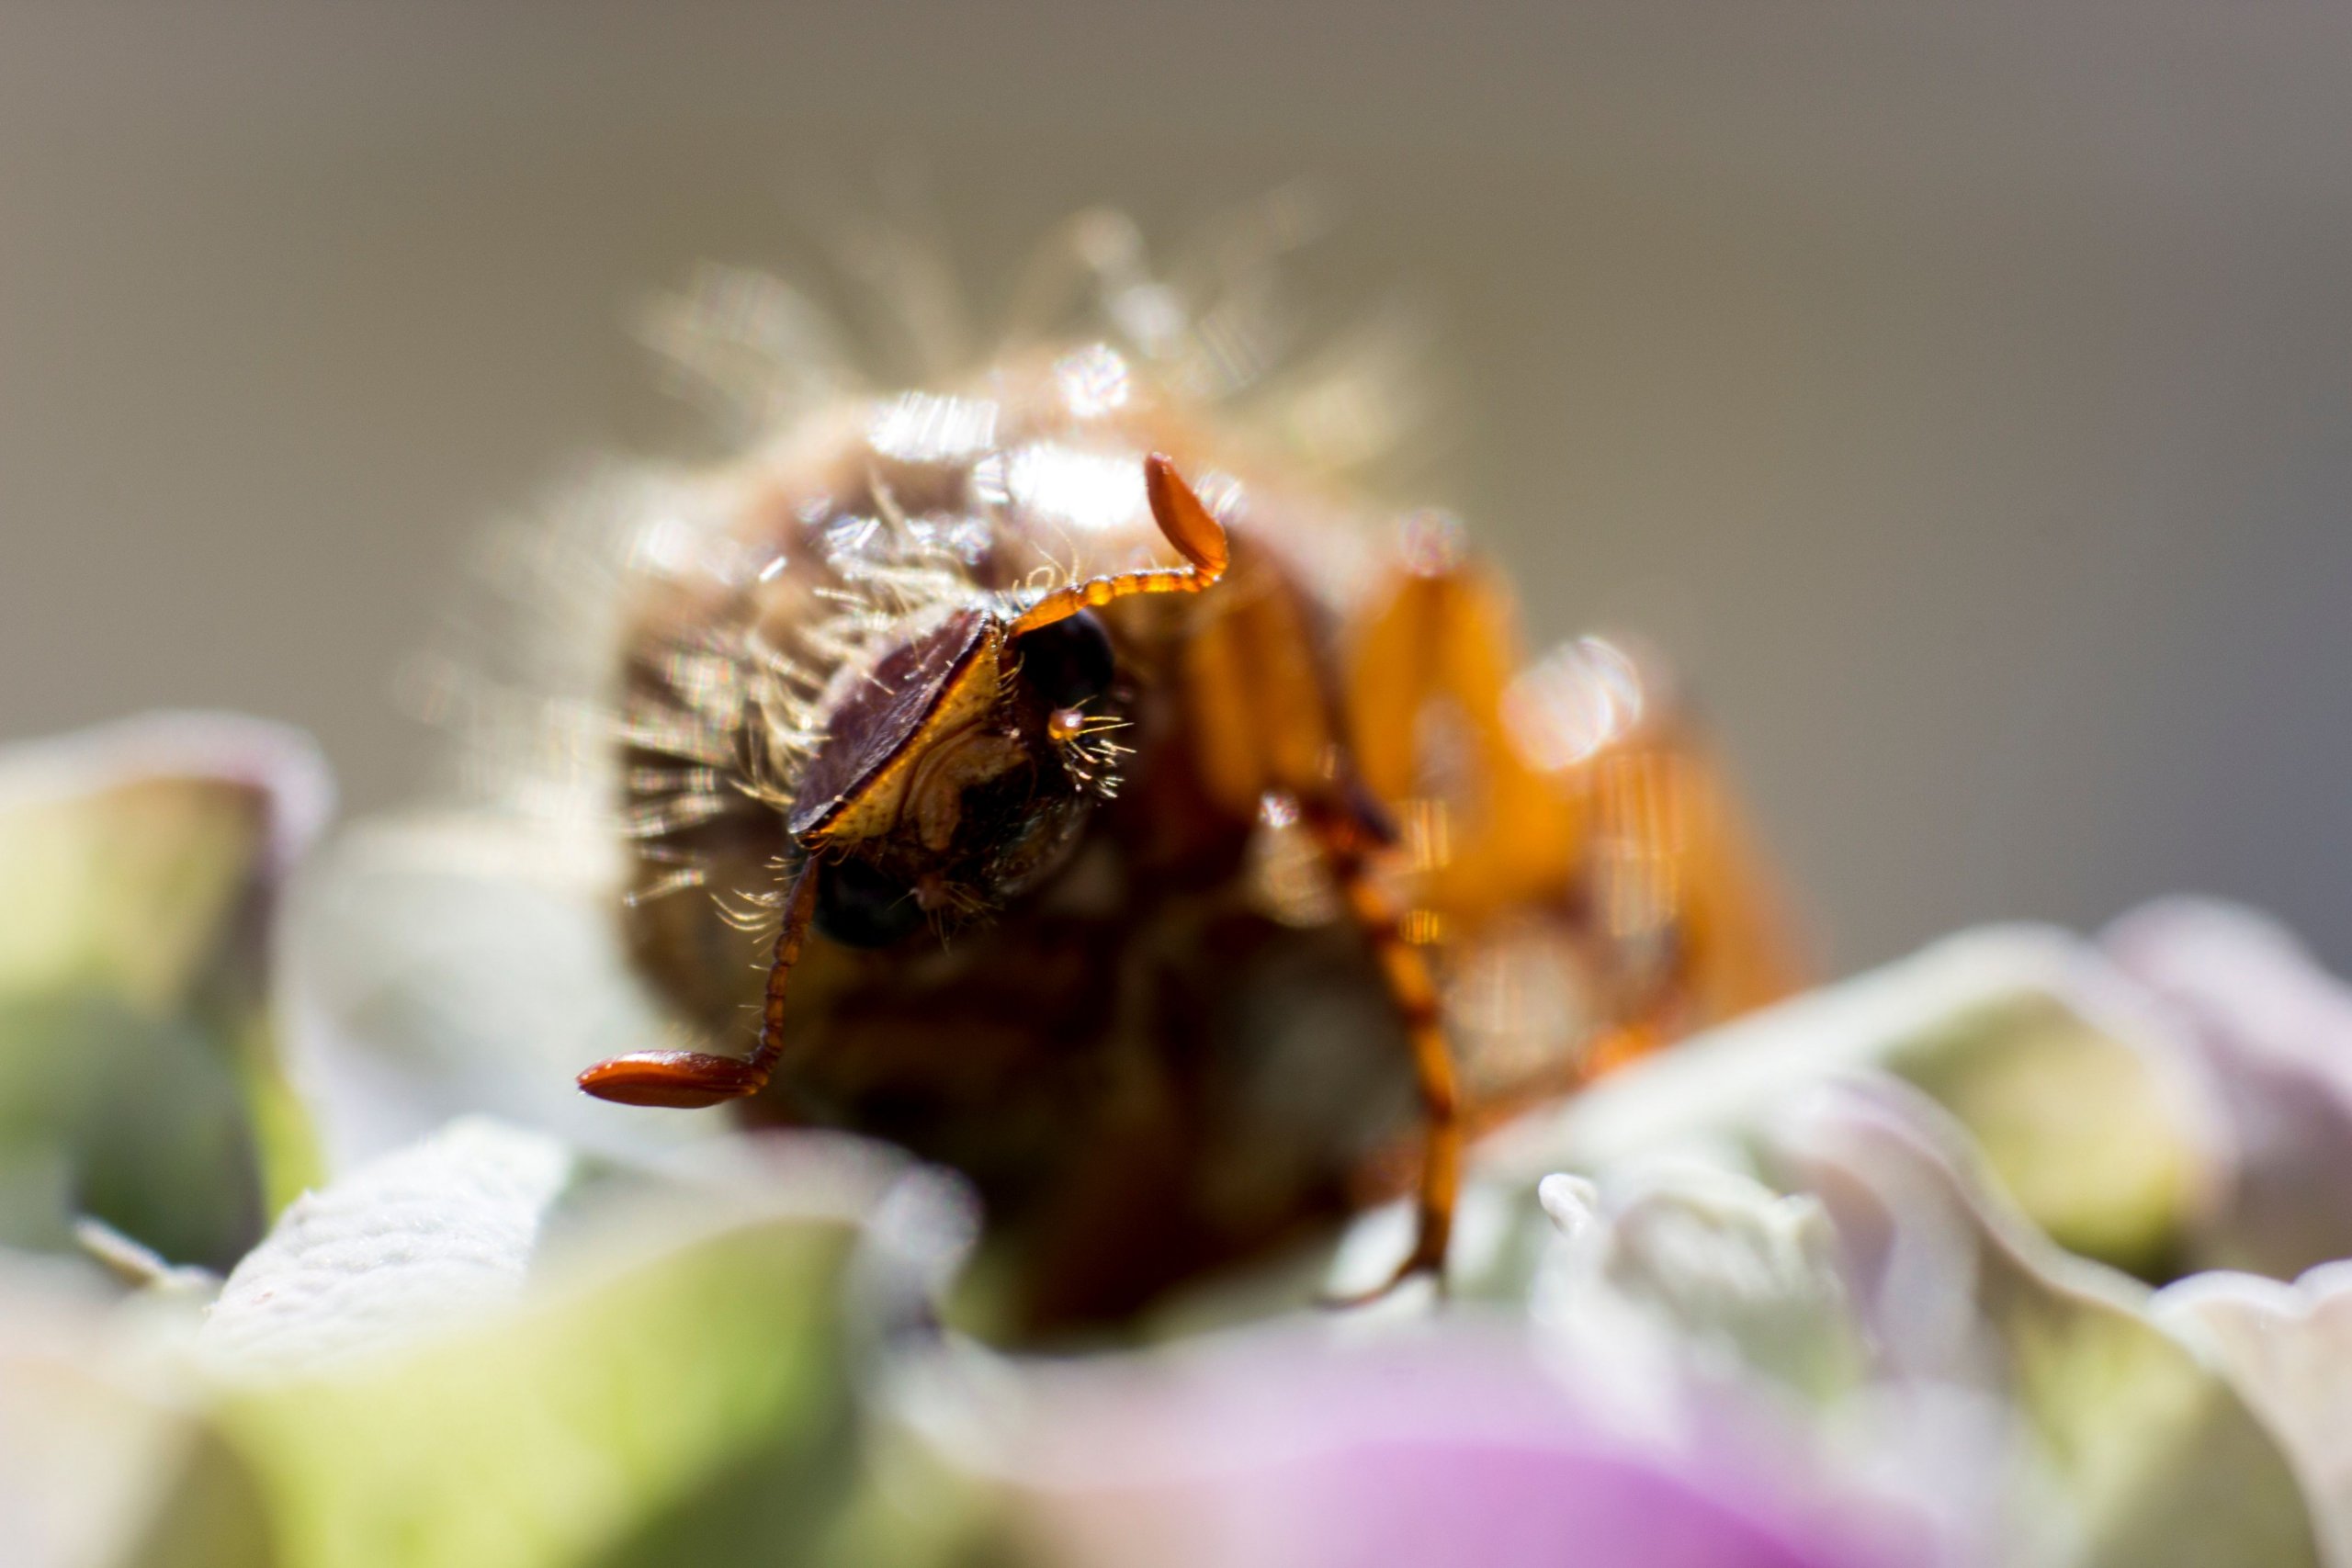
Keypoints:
pixel 872 730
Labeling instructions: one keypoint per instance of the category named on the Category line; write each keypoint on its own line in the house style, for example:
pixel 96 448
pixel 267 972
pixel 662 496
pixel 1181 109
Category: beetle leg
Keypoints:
pixel 1258 697
pixel 1573 783
pixel 1427 673
pixel 1263 723
pixel 1348 839
pixel 1668 857
pixel 691 1080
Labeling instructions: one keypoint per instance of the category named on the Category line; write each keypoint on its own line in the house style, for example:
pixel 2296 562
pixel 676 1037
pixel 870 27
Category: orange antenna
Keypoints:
pixel 1197 536
pixel 689 1079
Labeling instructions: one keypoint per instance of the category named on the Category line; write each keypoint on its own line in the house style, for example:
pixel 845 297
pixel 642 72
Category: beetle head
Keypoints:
pixel 941 786
pixel 957 771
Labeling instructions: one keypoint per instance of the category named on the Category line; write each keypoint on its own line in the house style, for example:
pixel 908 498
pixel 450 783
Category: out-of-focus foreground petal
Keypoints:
pixel 1772 1305
pixel 1279 1448
pixel 87 1445
pixel 446 964
pixel 1665 1286
pixel 2013 1387
pixel 139 1078
pixel 2289 1349
pixel 2092 1113
pixel 2133 1451
pixel 2276 1032
pixel 411 1245
pixel 483 1349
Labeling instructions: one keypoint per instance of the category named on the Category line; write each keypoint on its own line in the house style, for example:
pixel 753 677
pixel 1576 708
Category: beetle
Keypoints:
pixel 1117 814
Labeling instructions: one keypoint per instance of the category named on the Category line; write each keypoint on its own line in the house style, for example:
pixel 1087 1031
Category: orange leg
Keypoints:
pixel 1668 854
pixel 1346 843
pixel 1575 783
pixel 1428 666
pixel 690 1079
pixel 1573 786
pixel 1263 712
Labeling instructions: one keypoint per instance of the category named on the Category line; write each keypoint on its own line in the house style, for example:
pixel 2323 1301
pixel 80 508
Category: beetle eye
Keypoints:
pixel 1068 661
pixel 859 906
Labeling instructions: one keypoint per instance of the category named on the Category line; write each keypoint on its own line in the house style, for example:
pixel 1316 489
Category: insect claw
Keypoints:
pixel 1418 1265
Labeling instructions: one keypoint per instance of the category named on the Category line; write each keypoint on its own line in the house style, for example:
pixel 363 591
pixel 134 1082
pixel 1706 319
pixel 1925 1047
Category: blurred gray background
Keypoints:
pixel 1962 392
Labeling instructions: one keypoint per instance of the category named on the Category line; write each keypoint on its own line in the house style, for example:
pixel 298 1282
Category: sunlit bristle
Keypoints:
pixel 677 880
pixel 660 815
pixel 673 781
pixel 1088 756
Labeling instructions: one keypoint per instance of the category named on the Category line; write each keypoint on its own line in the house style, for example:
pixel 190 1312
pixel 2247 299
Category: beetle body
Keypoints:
pixel 1052 784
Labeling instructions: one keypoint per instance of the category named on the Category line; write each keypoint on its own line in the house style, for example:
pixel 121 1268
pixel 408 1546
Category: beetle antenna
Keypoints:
pixel 1198 536
pixel 692 1078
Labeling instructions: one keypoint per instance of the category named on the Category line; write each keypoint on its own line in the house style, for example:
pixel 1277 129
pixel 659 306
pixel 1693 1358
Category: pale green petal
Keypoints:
pixel 476 1352
pixel 139 1080
pixel 703 1392
pixel 433 1237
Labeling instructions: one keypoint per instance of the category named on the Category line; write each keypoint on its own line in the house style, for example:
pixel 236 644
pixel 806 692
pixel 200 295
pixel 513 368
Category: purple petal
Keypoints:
pixel 1282 1451
pixel 2277 1031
